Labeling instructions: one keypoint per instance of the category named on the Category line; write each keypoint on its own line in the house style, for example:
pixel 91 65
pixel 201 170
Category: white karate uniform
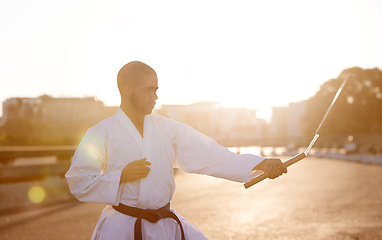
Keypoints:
pixel 94 175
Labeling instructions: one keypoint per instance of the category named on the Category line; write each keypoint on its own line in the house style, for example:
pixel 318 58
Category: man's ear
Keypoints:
pixel 127 91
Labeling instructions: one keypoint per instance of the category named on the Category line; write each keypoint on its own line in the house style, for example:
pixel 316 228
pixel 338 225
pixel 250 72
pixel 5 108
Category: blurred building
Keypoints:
pixel 295 111
pixel 228 126
pixel 278 123
pixel 285 125
pixel 51 120
pixel 200 116
pixel 48 120
pixel 20 108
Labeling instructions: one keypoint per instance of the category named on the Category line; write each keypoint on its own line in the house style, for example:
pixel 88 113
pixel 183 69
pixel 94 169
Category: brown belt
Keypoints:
pixel 151 215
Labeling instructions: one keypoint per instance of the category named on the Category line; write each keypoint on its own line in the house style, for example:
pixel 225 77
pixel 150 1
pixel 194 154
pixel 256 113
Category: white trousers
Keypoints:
pixel 118 226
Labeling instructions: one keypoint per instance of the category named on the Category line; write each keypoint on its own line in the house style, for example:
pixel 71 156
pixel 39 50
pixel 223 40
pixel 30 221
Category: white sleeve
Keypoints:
pixel 201 154
pixel 88 178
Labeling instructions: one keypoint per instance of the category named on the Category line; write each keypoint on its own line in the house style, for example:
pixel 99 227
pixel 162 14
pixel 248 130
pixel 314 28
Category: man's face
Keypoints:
pixel 143 94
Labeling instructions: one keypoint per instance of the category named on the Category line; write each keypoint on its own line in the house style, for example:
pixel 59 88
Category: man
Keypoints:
pixel 127 162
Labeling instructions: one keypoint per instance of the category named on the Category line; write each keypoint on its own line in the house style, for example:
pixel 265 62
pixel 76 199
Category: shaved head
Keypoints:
pixel 137 84
pixel 132 73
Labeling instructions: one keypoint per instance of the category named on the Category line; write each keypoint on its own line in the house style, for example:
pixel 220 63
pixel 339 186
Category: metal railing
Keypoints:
pixel 10 172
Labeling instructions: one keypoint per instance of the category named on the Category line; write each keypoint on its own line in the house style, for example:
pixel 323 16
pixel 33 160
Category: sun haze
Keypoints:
pixel 253 54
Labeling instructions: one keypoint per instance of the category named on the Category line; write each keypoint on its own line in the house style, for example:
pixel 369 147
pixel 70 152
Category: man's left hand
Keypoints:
pixel 272 166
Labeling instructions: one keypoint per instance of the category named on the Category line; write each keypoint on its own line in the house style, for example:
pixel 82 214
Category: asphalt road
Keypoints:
pixel 317 199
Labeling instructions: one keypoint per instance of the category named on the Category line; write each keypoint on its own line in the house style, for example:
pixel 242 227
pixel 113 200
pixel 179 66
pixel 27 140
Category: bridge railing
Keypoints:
pixel 11 172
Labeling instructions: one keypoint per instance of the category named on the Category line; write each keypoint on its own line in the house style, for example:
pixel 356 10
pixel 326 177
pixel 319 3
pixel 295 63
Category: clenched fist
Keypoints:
pixel 135 170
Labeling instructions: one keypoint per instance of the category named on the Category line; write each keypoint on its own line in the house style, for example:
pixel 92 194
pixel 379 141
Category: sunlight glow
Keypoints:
pixel 36 194
pixel 253 54
pixel 93 151
pixel 264 113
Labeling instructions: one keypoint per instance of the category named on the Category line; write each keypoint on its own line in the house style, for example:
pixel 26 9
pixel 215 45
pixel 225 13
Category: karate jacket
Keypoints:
pixel 94 175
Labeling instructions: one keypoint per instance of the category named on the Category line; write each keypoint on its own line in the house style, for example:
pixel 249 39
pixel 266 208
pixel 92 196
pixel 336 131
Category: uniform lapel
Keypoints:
pixel 129 126
pixel 144 189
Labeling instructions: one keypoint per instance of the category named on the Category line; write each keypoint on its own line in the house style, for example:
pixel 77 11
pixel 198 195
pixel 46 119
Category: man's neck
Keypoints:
pixel 136 117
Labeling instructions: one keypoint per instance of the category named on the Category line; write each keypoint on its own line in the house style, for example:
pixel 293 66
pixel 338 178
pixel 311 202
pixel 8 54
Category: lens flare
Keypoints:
pixel 36 194
pixel 93 151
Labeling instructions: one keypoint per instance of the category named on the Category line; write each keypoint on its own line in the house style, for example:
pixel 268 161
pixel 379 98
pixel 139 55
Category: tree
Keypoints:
pixel 358 109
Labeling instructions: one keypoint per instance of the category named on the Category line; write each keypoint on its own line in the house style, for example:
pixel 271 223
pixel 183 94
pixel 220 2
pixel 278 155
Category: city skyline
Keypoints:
pixel 47 120
pixel 248 54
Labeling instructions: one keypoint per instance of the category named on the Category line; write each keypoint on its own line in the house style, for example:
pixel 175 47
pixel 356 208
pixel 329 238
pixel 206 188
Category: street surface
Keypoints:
pixel 317 199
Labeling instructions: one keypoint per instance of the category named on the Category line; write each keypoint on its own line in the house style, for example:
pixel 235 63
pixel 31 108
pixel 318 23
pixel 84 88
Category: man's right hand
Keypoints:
pixel 135 170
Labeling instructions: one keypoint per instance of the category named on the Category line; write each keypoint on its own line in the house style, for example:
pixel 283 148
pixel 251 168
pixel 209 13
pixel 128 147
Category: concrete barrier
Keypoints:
pixel 33 182
pixel 18 195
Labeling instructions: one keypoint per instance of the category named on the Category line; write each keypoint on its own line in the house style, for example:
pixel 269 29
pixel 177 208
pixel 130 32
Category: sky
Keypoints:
pixel 252 54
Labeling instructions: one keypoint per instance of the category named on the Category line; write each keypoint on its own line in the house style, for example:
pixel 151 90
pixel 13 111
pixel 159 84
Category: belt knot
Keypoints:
pixel 151 215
